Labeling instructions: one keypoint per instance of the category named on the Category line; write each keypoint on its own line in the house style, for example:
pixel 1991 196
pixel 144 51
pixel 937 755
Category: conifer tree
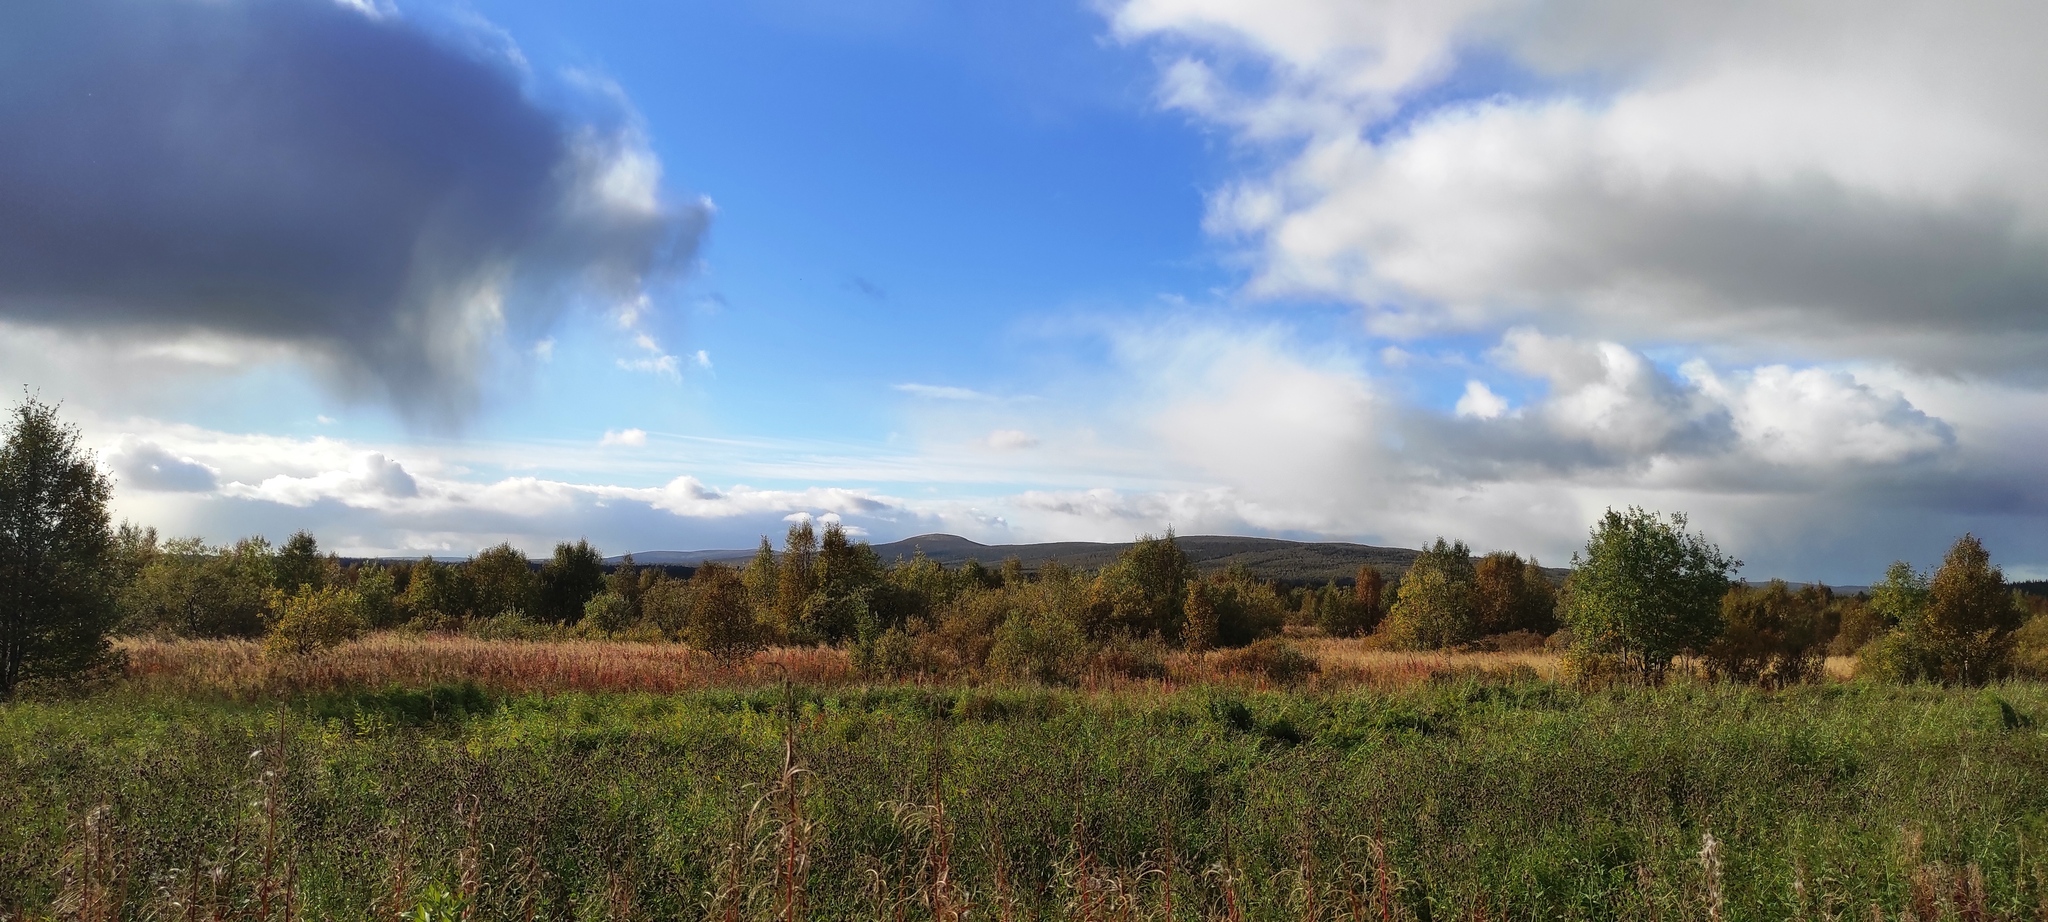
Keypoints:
pixel 56 599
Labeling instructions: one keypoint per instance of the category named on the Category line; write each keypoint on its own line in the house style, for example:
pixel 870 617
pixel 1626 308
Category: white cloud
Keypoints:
pixel 372 481
pixel 1480 401
pixel 628 438
pixel 941 392
pixel 1858 180
pixel 1011 440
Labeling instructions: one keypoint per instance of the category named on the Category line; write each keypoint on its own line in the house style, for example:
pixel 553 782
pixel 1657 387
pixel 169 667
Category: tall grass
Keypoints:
pixel 241 670
pixel 1459 798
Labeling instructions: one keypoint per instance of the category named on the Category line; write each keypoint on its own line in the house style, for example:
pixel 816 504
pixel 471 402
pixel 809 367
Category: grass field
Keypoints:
pixel 213 786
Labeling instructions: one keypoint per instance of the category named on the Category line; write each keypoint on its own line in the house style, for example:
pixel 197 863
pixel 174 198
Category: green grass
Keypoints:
pixel 1519 801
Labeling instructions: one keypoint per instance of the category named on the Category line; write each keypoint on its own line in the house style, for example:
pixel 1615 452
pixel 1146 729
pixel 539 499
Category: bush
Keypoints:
pixel 313 620
pixel 2030 648
pixel 607 613
pixel 892 654
pixel 1039 647
pixel 1130 658
pixel 1769 634
pixel 1274 659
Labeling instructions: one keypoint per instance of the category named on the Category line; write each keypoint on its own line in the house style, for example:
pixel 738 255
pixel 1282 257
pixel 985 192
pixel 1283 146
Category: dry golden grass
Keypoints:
pixel 239 668
pixel 1359 661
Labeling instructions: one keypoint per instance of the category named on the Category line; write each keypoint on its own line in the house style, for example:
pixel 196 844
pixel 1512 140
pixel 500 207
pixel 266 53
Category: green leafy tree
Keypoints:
pixel 1960 632
pixel 501 580
pixel 569 579
pixel 1141 593
pixel 761 577
pixel 1644 590
pixel 437 595
pixel 376 588
pixel 1511 594
pixel 1900 598
pixel 298 563
pixel 56 551
pixel 720 620
pixel 1339 613
pixel 607 613
pixel 1435 605
pixel 796 577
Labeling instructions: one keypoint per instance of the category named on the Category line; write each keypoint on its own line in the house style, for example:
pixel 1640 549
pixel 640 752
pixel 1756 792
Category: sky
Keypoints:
pixel 425 276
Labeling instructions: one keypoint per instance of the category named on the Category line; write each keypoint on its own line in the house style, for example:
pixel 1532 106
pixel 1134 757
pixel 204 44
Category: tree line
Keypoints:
pixel 1645 593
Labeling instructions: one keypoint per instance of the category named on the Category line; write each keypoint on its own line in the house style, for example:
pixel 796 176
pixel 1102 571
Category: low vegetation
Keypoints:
pixel 1457 798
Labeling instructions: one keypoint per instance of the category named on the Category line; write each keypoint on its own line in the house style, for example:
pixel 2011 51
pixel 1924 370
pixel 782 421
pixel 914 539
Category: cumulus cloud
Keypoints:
pixel 373 481
pixel 1480 401
pixel 381 201
pixel 1856 180
pixel 146 465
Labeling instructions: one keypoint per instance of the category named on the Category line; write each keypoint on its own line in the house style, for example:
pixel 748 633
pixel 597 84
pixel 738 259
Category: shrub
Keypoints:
pixel 1039 647
pixel 1274 659
pixel 2030 648
pixel 606 613
pixel 1769 634
pixel 313 620
pixel 1130 658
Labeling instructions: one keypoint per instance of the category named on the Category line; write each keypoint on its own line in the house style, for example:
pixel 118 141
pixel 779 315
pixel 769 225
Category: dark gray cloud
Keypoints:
pixel 148 466
pixel 299 172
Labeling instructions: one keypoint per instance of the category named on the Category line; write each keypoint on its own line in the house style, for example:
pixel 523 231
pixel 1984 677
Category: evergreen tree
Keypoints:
pixel 56 543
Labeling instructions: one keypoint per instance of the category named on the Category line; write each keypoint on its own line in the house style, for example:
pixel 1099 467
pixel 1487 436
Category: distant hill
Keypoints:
pixel 1273 558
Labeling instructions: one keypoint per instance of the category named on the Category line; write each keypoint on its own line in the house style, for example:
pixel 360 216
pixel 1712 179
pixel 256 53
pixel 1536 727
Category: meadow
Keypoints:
pixel 451 778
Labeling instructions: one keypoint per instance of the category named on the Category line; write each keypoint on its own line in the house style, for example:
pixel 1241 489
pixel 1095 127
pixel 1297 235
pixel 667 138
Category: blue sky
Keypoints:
pixel 668 275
